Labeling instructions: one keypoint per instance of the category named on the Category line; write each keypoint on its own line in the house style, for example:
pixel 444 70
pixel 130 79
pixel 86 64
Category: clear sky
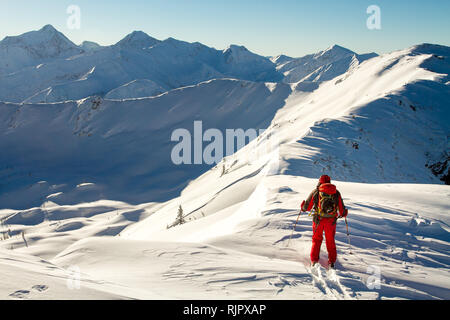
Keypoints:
pixel 267 27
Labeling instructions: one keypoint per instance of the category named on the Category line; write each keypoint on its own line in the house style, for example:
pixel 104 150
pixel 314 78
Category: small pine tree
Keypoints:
pixel 180 217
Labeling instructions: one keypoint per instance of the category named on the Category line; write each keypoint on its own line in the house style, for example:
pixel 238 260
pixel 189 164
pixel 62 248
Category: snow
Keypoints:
pixel 42 280
pixel 89 46
pixel 87 184
pixel 139 88
pixel 322 66
pixel 240 62
pixel 253 260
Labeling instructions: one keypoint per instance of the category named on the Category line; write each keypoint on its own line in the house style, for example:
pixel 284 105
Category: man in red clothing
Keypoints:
pixel 326 201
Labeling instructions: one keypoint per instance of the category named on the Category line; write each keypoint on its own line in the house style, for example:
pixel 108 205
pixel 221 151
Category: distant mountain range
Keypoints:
pixel 45 66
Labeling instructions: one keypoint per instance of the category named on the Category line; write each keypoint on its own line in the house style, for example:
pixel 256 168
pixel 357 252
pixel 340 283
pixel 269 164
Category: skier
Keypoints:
pixel 326 201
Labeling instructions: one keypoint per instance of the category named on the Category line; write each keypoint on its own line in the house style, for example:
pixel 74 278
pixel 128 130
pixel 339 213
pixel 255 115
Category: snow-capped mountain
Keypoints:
pixel 240 62
pixel 322 66
pixel 34 48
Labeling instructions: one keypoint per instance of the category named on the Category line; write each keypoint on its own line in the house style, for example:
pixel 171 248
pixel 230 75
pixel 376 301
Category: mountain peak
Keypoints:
pixel 335 52
pixel 236 48
pixel 137 34
pixel 137 39
pixel 338 49
pixel 41 40
pixel 34 47
pixel 48 28
pixel 281 59
pixel 42 35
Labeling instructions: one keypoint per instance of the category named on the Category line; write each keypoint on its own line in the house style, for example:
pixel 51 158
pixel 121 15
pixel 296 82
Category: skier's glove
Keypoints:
pixel 301 207
pixel 345 213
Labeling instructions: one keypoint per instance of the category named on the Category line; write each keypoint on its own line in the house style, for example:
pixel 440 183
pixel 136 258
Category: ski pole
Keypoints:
pixel 295 223
pixel 348 235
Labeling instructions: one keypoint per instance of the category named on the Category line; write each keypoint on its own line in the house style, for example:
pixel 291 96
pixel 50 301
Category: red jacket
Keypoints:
pixel 328 188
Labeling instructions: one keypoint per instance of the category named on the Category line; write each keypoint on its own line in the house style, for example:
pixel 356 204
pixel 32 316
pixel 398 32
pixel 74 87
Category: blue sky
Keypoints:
pixel 267 27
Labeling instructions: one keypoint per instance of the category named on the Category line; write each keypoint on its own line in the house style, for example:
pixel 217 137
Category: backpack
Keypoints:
pixel 327 204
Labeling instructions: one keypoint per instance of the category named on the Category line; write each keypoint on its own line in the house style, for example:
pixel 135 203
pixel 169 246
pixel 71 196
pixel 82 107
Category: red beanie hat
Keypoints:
pixel 324 179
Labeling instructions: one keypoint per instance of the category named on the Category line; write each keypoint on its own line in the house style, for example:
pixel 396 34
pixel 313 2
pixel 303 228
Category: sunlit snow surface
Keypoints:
pixel 240 213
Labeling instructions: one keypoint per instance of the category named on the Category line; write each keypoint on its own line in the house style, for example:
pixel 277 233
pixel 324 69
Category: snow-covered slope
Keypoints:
pixel 378 126
pixel 139 88
pixel 382 122
pixel 241 251
pixel 41 280
pixel 124 147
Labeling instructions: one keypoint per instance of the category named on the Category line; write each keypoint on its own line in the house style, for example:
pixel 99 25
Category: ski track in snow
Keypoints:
pixel 329 283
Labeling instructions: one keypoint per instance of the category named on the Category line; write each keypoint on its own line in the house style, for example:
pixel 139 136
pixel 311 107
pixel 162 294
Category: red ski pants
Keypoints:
pixel 329 226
